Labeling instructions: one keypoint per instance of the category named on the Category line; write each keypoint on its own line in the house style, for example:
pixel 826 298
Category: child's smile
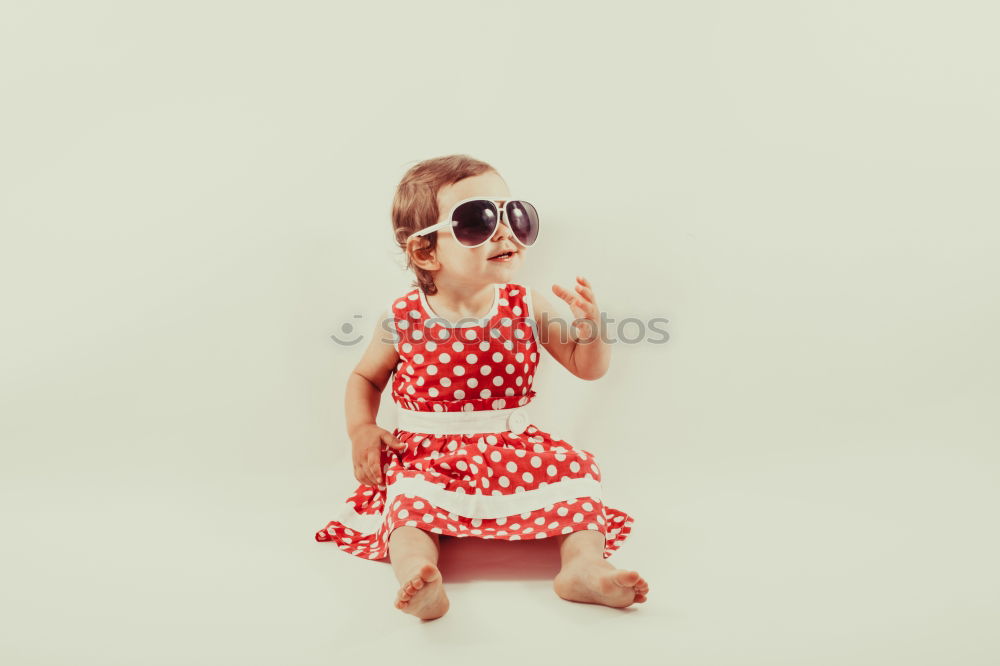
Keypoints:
pixel 505 254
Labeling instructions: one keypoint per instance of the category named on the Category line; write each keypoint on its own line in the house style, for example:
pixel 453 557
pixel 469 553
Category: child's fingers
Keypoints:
pixel 361 475
pixel 565 294
pixel 392 442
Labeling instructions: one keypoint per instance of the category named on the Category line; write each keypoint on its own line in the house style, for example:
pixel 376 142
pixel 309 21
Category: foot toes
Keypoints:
pixel 409 599
pixel 429 573
pixel 626 578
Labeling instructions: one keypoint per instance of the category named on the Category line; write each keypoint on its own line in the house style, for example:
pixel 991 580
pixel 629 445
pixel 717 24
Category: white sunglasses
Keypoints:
pixel 474 221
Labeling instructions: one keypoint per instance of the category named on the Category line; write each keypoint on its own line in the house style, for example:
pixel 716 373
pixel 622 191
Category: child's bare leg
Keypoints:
pixel 414 556
pixel 589 578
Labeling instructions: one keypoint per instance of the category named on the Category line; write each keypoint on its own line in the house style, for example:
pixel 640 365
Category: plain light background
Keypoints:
pixel 195 196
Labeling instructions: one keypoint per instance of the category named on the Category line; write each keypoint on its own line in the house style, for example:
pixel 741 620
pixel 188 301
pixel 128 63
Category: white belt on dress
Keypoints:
pixel 514 420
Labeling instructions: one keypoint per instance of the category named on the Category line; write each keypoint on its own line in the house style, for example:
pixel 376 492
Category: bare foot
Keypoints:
pixel 600 582
pixel 423 593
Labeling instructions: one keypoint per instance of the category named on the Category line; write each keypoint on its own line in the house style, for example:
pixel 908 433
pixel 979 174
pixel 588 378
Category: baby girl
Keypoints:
pixel 460 349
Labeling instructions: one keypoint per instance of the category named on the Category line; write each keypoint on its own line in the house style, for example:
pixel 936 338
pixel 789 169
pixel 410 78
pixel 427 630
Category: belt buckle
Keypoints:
pixel 517 421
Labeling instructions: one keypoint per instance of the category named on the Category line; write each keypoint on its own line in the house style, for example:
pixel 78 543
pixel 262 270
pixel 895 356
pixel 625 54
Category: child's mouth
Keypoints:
pixel 506 256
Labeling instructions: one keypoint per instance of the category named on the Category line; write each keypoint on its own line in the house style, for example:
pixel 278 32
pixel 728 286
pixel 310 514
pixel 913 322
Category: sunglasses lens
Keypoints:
pixel 523 220
pixel 474 222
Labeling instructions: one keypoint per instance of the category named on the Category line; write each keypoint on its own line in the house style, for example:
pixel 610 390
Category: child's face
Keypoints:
pixel 458 263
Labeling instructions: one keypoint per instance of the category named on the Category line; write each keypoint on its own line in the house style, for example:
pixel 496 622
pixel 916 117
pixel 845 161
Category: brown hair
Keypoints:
pixel 415 207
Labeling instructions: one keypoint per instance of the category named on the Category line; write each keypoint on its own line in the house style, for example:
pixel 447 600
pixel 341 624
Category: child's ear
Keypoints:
pixel 422 255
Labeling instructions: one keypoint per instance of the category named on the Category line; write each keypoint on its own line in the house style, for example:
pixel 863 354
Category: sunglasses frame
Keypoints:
pixel 449 223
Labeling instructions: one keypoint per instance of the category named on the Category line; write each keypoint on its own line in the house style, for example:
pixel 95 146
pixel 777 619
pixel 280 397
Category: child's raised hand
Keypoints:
pixel 366 452
pixel 583 304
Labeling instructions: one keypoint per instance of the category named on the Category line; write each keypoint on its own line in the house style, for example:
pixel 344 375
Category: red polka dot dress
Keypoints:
pixel 474 465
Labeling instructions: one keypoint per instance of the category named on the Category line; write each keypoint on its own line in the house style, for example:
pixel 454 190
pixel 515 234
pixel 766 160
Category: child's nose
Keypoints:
pixel 502 228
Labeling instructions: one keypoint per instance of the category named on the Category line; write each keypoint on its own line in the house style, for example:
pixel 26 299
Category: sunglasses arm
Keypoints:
pixel 431 229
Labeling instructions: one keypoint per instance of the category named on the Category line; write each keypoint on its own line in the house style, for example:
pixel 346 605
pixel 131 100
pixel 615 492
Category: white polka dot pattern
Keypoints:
pixel 502 354
pixel 489 466
pixel 473 368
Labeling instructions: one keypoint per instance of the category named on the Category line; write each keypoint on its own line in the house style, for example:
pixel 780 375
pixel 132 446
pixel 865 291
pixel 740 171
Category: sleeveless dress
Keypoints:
pixel 492 485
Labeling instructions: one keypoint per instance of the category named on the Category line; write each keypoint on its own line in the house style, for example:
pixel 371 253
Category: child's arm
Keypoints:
pixel 369 377
pixel 580 348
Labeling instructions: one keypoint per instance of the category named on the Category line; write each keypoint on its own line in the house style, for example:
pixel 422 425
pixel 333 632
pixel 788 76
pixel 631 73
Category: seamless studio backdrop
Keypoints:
pixel 196 197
